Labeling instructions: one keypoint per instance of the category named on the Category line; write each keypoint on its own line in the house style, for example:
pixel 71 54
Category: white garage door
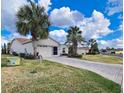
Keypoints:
pixel 45 51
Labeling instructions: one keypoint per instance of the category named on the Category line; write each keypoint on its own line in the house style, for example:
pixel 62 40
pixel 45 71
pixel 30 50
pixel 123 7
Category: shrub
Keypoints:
pixel 29 56
pixel 14 53
pixel 22 55
pixel 76 56
pixel 64 54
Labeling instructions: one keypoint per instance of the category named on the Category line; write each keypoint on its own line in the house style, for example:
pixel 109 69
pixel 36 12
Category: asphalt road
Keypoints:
pixel 112 72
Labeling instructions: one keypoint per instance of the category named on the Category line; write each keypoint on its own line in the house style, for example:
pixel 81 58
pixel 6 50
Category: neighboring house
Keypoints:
pixel 82 50
pixel 45 47
pixel 112 51
pixel 105 51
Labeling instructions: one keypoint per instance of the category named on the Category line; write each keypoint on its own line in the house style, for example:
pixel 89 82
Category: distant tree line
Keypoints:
pixel 6 48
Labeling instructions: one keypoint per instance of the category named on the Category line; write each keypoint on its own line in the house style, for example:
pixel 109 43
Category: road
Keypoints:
pixel 112 72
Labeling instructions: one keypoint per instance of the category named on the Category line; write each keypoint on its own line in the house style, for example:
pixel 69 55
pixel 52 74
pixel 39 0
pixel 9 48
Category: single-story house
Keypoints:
pixel 45 47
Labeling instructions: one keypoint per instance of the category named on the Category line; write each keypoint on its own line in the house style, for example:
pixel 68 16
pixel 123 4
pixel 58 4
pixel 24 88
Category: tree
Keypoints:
pixel 8 48
pixel 93 47
pixel 33 19
pixel 73 37
pixel 4 48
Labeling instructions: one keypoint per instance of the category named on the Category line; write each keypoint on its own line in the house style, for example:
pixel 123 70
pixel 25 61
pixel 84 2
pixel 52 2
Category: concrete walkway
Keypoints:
pixel 112 72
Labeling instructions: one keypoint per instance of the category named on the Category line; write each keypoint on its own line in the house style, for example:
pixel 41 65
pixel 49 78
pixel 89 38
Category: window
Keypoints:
pixel 55 50
pixel 63 50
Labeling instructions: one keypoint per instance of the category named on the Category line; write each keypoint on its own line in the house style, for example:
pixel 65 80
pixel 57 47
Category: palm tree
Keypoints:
pixel 32 19
pixel 73 37
pixel 93 47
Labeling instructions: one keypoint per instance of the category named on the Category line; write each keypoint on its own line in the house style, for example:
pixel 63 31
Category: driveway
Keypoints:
pixel 112 72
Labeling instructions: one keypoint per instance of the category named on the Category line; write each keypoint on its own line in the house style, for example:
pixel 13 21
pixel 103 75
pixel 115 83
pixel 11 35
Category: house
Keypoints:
pixel 112 51
pixel 63 49
pixel 17 45
pixel 45 47
pixel 82 50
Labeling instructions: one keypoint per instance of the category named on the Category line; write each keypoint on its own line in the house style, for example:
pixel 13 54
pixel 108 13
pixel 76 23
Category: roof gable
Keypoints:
pixel 22 40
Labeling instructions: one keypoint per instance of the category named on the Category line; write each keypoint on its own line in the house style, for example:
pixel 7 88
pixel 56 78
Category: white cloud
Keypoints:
pixel 116 43
pixel 96 26
pixel 4 40
pixel 17 35
pixel 114 6
pixel 64 17
pixel 45 3
pixel 9 9
pixel 9 38
pixel 120 27
pixel 59 35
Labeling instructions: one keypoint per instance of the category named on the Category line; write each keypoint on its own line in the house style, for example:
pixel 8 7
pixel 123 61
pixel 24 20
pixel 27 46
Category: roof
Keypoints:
pixel 42 39
pixel 22 40
pixel 54 40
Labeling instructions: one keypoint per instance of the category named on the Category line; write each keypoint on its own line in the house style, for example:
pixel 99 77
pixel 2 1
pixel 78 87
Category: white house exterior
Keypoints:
pixel 63 49
pixel 45 47
pixel 17 45
pixel 82 50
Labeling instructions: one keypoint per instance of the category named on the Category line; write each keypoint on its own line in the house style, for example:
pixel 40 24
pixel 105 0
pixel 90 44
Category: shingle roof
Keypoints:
pixel 23 40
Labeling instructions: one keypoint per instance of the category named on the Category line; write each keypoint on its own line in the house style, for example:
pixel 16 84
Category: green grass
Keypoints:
pixel 103 58
pixel 50 77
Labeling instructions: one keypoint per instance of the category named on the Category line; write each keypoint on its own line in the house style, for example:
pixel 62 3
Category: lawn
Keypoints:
pixel 51 77
pixel 103 59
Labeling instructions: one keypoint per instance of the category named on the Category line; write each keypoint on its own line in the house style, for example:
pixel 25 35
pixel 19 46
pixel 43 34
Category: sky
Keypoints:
pixel 97 19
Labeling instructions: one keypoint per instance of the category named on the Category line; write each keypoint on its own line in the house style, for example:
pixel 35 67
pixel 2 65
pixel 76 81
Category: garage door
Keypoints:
pixel 45 51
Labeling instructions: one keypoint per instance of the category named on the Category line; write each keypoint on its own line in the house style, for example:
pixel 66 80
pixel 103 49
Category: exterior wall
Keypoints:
pixel 82 51
pixel 45 51
pixel 17 47
pixel 29 48
pixel 61 49
pixel 45 47
pixel 48 42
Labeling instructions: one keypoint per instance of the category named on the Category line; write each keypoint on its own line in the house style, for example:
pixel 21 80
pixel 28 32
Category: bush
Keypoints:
pixel 29 56
pixel 76 56
pixel 64 54
pixel 22 55
pixel 14 53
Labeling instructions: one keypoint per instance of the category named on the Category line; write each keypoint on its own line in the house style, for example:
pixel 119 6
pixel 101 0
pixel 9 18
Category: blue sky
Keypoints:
pixel 99 19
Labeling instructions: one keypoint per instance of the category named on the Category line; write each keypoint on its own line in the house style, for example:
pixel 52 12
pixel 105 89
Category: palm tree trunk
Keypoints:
pixel 34 48
pixel 75 48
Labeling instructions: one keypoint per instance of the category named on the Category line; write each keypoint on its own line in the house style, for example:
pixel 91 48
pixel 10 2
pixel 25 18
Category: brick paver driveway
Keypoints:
pixel 112 72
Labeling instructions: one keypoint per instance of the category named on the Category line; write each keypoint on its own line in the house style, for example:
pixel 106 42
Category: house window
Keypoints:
pixel 63 50
pixel 55 50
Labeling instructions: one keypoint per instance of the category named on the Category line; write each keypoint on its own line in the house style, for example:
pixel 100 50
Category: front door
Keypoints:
pixel 55 50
